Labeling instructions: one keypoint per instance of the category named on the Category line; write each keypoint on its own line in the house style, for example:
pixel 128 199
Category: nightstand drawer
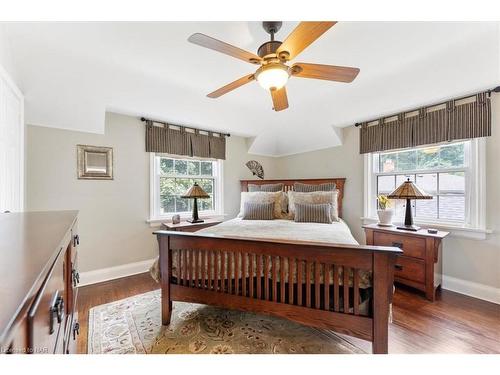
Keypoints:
pixel 413 269
pixel 411 246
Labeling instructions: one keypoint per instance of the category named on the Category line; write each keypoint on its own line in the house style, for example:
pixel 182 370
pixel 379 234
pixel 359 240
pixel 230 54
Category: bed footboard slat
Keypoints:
pixel 216 271
pixel 244 270
pixel 266 277
pixel 291 272
pixel 188 267
pixel 237 275
pixel 308 284
pixel 326 287
pixel 356 292
pixel 251 263
pixel 300 268
pixel 282 279
pixel 259 276
pixel 336 293
pixel 346 289
pixel 184 267
pixel 275 278
pixel 317 285
pixel 231 272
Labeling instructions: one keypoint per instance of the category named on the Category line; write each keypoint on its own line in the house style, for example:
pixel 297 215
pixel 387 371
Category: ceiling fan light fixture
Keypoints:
pixel 272 76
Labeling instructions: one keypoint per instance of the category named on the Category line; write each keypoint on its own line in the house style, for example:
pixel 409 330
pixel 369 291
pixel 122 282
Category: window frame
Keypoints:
pixel 155 214
pixel 474 224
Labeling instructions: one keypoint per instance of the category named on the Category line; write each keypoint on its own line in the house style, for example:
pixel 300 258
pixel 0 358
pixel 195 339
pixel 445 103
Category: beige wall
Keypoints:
pixel 471 260
pixel 113 214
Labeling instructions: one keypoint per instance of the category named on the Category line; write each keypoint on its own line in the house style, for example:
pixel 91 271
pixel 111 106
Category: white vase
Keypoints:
pixel 385 217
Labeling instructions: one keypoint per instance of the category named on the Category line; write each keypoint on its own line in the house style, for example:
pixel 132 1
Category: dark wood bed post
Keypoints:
pixel 165 272
pixel 383 263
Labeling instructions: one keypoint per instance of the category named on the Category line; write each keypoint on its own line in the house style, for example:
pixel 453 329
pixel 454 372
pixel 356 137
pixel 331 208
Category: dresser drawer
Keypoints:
pixel 413 269
pixel 46 316
pixel 411 246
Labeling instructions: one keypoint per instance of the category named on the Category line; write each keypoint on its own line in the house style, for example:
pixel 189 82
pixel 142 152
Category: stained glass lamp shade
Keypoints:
pixel 408 190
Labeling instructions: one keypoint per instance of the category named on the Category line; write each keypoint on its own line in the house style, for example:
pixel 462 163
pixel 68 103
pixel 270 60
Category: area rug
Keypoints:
pixel 133 325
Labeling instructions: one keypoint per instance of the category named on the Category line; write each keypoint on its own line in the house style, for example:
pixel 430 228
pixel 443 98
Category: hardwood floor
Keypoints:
pixel 454 323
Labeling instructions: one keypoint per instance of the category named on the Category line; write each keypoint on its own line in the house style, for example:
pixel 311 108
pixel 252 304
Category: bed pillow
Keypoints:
pixel 315 197
pixel 307 188
pixel 267 187
pixel 264 197
pixel 258 211
pixel 313 213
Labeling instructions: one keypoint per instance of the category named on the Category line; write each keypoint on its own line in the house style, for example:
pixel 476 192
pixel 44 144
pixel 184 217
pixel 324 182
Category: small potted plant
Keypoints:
pixel 384 211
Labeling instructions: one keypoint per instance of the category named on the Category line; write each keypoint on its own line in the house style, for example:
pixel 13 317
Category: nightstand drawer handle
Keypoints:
pixel 397 244
pixel 398 267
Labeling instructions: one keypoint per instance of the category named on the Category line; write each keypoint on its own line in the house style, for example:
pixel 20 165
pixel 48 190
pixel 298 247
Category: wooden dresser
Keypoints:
pixel 39 268
pixel 421 265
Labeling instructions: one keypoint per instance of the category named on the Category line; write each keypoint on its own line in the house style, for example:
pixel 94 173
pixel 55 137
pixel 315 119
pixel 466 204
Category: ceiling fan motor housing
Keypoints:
pixel 268 48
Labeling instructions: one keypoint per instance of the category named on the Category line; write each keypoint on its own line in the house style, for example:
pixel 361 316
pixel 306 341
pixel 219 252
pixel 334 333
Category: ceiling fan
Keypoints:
pixel 273 57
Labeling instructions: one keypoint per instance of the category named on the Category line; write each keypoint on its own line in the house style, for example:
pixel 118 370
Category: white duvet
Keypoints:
pixel 337 232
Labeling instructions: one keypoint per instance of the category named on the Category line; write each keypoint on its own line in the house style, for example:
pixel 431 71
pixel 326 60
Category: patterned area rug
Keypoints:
pixel 133 325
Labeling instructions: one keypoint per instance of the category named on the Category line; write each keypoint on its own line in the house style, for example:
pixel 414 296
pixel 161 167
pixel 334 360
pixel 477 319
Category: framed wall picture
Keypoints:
pixel 94 162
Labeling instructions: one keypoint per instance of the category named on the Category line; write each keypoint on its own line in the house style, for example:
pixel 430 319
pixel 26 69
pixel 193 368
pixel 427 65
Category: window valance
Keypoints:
pixel 457 119
pixel 180 140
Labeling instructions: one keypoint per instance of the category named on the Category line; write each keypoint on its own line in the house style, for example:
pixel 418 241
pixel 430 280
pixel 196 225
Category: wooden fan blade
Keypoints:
pixel 219 46
pixel 301 37
pixel 280 100
pixel 231 86
pixel 327 72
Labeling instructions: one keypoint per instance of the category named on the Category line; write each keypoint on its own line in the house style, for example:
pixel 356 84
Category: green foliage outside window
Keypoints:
pixel 177 176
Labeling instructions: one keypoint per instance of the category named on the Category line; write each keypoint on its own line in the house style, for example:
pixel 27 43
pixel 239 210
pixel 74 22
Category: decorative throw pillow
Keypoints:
pixel 315 197
pixel 258 211
pixel 313 213
pixel 264 197
pixel 270 188
pixel 307 188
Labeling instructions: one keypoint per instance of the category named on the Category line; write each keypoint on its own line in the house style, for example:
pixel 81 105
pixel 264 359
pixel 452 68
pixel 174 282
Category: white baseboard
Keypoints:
pixel 105 274
pixel 472 289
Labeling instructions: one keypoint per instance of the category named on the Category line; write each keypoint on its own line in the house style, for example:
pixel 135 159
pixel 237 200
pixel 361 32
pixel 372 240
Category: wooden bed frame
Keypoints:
pixel 317 303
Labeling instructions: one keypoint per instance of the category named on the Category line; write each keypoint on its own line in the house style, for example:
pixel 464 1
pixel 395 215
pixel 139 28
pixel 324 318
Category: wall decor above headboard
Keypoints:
pixel 288 185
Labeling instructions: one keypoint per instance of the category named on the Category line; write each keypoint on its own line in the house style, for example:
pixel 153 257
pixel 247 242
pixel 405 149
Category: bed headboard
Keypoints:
pixel 288 185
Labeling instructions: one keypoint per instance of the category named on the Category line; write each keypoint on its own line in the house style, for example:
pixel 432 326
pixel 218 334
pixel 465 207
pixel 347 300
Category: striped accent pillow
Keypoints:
pixel 258 211
pixel 269 188
pixel 308 188
pixel 313 213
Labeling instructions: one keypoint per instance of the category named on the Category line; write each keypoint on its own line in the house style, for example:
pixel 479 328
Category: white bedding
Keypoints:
pixel 337 232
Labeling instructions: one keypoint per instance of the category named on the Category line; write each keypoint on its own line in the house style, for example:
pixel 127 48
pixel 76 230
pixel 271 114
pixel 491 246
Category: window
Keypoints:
pixel 449 172
pixel 173 176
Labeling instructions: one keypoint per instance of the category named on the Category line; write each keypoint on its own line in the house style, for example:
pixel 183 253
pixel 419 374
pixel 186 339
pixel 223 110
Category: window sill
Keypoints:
pixel 156 222
pixel 455 230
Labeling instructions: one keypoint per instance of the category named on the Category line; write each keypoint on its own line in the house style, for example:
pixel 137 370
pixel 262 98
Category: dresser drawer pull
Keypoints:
pixel 398 267
pixel 76 240
pixel 56 311
pixel 398 244
pixel 76 330
pixel 76 277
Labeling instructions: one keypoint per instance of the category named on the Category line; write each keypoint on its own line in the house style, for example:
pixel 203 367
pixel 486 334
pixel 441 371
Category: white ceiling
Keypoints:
pixel 72 73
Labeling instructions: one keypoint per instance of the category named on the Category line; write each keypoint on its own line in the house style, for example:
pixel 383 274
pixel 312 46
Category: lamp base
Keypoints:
pixel 412 228
pixel 194 221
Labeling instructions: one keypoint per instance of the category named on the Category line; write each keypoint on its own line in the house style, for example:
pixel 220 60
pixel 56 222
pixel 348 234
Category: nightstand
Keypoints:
pixel 185 226
pixel 421 265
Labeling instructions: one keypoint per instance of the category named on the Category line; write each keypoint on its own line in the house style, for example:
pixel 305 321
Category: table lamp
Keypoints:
pixel 408 190
pixel 195 192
